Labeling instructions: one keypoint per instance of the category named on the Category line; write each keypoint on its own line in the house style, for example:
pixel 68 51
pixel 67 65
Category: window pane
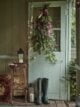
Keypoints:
pixel 55 14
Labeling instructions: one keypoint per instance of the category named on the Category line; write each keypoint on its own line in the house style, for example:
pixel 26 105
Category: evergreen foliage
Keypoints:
pixel 43 38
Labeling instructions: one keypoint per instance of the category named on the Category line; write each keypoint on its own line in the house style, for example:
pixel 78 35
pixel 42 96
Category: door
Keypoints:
pixel 42 68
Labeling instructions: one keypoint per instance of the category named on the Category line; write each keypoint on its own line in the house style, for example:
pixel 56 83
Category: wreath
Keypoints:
pixel 5 82
pixel 43 37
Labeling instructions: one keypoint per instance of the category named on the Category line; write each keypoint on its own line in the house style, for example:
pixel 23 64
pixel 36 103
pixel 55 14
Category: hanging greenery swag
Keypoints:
pixel 43 38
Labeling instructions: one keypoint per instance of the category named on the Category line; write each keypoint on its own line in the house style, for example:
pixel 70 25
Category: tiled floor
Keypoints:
pixel 52 104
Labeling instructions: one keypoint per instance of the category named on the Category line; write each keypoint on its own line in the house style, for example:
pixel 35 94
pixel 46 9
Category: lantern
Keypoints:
pixel 20 53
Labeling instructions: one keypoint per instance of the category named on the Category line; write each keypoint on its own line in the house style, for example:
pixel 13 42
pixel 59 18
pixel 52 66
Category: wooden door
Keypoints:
pixel 40 67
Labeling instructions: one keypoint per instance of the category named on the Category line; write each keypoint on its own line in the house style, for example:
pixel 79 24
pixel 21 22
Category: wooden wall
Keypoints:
pixel 12 30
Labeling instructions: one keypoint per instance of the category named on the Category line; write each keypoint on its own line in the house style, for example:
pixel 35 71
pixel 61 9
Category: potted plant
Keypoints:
pixel 72 80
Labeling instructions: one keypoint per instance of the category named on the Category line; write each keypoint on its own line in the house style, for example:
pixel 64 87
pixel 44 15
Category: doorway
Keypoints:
pixel 39 67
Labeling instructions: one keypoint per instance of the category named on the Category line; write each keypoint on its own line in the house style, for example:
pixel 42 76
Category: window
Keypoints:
pixel 55 13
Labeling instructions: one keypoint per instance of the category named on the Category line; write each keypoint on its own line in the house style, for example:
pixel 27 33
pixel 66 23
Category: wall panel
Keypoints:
pixel 12 28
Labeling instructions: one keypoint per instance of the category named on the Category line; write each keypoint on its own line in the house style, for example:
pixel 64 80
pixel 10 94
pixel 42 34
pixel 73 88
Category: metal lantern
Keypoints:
pixel 20 53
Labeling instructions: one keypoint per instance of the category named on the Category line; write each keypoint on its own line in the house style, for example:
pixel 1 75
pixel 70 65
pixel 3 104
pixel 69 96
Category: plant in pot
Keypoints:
pixel 72 79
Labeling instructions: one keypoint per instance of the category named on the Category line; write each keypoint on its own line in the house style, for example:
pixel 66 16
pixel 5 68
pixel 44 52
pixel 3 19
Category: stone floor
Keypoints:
pixel 52 104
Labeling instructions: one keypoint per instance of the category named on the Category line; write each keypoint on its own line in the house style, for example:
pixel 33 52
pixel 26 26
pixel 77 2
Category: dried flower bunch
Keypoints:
pixel 43 38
